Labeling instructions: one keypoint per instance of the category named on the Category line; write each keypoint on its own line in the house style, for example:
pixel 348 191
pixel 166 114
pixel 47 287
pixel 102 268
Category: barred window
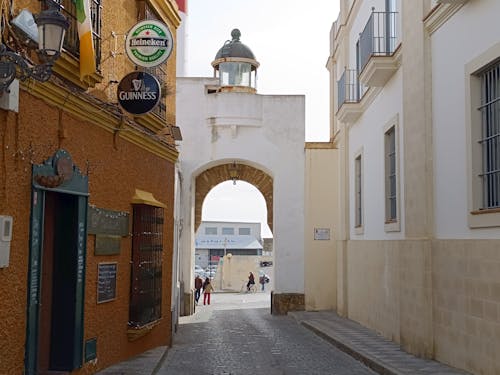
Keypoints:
pixel 390 176
pixel 358 221
pixel 147 251
pixel 490 145
pixel 71 40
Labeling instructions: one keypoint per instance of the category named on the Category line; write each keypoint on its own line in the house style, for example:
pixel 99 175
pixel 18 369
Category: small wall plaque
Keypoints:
pixel 321 234
pixel 107 245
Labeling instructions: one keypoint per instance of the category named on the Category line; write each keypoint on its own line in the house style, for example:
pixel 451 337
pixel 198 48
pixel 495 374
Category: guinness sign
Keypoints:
pixel 138 93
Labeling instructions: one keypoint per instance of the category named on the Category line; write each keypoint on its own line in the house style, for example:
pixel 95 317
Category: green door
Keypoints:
pixel 56 275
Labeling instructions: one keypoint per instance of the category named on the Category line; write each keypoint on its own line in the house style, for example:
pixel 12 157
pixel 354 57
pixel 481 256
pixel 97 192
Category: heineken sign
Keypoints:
pixel 149 43
pixel 138 93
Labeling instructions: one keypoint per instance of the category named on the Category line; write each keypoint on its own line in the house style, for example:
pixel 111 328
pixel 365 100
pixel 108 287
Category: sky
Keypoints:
pixel 290 40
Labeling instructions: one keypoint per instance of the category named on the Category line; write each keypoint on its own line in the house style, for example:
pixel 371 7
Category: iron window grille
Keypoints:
pixel 71 40
pixel 390 178
pixel 490 141
pixel 358 221
pixel 147 255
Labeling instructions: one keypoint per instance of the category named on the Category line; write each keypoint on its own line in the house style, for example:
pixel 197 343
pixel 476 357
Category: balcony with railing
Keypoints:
pixel 350 91
pixel 379 55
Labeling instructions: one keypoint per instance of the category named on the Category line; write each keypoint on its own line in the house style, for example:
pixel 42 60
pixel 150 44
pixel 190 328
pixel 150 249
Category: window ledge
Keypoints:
pixel 359 229
pixel 68 67
pixel 136 333
pixel 487 218
pixel 392 226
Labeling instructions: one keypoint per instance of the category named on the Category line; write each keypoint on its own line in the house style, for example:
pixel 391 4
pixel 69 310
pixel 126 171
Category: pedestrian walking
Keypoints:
pixel 207 290
pixel 262 281
pixel 198 283
pixel 251 281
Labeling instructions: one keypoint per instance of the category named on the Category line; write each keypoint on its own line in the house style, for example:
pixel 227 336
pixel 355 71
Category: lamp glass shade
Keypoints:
pixel 52 26
pixel 235 74
pixel 50 39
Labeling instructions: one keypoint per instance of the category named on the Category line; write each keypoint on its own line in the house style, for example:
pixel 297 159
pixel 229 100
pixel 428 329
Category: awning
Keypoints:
pixel 145 197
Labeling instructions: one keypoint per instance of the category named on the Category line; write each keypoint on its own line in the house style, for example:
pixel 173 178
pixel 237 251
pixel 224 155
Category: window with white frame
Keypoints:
pixel 358 203
pixel 211 231
pixel 490 137
pixel 244 231
pixel 228 231
pixel 391 198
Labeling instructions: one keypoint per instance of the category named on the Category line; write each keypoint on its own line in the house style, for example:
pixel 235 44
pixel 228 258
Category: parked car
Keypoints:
pixel 198 271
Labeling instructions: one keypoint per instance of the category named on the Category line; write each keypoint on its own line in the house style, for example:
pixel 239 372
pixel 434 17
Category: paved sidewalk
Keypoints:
pixel 380 354
pixel 143 364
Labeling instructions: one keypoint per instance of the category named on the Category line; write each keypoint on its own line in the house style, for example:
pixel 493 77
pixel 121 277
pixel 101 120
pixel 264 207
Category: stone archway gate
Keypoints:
pixel 264 135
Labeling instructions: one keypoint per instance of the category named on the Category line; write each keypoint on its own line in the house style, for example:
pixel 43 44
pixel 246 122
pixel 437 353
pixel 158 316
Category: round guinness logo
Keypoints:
pixel 138 93
pixel 149 43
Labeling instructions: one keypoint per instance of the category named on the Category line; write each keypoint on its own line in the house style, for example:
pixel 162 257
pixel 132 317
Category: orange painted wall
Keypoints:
pixel 115 170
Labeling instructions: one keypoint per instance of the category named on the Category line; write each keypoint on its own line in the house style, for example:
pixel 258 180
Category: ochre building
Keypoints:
pixel 86 202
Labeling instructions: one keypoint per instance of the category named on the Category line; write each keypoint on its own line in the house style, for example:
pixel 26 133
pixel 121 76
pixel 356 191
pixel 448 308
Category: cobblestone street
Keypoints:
pixel 237 335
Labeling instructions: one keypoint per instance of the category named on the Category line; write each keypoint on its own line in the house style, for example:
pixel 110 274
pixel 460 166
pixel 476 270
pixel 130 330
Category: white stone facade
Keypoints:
pixel 430 264
pixel 266 132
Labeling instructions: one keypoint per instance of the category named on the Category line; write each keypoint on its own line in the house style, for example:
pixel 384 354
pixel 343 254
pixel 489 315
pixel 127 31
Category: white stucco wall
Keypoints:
pixel 453 46
pixel 367 136
pixel 263 131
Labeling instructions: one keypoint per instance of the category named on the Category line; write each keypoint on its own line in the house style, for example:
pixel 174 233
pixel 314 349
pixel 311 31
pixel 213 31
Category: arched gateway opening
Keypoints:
pixel 211 177
pixel 232 132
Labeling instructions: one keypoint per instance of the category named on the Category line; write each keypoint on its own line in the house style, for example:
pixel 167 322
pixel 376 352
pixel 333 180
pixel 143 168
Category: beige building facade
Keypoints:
pixel 414 102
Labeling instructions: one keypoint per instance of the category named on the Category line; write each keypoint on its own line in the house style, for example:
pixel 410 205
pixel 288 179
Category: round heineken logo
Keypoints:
pixel 149 43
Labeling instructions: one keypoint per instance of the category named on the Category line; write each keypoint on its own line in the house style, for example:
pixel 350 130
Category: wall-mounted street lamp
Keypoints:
pixel 52 26
pixel 234 172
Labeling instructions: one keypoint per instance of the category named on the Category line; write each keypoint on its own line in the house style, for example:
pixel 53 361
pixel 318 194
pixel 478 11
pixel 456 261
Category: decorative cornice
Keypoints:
pixel 320 145
pixel 168 10
pixel 68 67
pixel 439 15
pixel 83 109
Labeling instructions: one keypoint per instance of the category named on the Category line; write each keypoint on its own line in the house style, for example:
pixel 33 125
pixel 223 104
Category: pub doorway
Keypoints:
pixel 58 283
pixel 56 270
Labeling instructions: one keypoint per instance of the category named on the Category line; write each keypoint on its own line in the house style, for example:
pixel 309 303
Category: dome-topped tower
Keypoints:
pixel 236 66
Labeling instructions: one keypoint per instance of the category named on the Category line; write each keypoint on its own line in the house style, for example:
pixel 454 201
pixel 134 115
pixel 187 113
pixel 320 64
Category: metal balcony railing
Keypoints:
pixel 350 90
pixel 378 37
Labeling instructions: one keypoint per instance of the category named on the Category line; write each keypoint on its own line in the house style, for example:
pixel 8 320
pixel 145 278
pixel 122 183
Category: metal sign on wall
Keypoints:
pixel 139 93
pixel 149 43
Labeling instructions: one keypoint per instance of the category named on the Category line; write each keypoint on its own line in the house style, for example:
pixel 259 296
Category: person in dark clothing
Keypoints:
pixel 198 282
pixel 251 281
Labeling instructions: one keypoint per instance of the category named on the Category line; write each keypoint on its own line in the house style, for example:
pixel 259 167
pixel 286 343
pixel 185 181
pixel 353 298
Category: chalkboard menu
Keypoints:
pixel 106 282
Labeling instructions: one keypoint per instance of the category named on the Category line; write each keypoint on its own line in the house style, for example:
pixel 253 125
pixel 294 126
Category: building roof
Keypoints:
pixel 229 242
pixel 234 48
